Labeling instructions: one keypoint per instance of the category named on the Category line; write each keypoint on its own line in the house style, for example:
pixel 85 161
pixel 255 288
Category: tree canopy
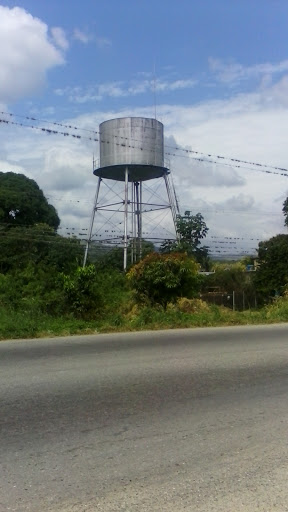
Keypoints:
pixel 227 277
pixel 22 202
pixel 38 245
pixel 162 278
pixel 113 258
pixel 285 211
pixel 272 272
pixel 191 229
pixel 28 225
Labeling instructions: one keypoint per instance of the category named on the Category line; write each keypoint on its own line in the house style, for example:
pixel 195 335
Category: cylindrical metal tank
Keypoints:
pixel 136 143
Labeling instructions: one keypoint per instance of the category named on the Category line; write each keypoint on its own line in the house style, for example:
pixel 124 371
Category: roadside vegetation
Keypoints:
pixel 44 291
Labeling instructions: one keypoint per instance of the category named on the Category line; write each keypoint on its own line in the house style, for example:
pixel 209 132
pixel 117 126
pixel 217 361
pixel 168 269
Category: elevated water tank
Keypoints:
pixel 136 143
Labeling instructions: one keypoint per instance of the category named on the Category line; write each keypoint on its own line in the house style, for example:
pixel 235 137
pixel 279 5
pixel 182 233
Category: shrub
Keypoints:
pixel 162 278
pixel 192 305
pixel 82 295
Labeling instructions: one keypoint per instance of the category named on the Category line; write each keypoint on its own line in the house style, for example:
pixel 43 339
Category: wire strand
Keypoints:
pixel 188 152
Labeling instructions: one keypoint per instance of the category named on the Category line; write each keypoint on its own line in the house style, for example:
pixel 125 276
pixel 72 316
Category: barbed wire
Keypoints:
pixel 175 148
pixel 213 209
pixel 28 118
pixel 74 240
pixel 48 130
pixel 79 230
pixel 101 245
pixel 235 162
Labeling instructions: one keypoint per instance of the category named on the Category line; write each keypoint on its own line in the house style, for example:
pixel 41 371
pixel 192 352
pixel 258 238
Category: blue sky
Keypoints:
pixel 123 42
pixel 220 72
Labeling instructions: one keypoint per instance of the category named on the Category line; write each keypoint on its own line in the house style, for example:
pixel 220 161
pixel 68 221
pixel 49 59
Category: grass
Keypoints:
pixel 130 317
pixel 16 324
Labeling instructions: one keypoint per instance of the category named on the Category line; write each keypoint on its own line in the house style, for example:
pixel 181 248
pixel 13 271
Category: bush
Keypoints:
pixel 81 291
pixel 34 289
pixel 192 305
pixel 271 277
pixel 162 278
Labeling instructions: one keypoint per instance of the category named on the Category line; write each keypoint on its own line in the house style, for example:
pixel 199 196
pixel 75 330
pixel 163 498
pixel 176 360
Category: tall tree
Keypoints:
pixel 271 277
pixel 191 229
pixel 285 211
pixel 28 225
pixel 22 202
pixel 38 245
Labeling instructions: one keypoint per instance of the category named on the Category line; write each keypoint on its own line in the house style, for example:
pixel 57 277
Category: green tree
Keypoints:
pixel 227 277
pixel 285 211
pixel 82 295
pixel 162 278
pixel 113 258
pixel 271 276
pixel 22 202
pixel 39 245
pixel 28 225
pixel 32 290
pixel 191 229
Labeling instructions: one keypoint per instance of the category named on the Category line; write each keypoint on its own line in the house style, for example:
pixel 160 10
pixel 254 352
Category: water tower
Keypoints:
pixel 132 151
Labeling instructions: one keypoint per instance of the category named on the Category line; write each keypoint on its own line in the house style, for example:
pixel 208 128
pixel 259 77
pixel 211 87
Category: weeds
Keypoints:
pixel 120 313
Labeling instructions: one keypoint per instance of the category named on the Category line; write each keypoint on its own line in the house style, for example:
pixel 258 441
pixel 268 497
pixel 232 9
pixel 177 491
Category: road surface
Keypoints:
pixel 185 420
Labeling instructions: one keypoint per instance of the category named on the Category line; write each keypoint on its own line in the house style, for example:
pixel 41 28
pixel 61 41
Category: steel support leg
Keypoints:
pixel 92 222
pixel 126 220
pixel 171 202
pixel 140 221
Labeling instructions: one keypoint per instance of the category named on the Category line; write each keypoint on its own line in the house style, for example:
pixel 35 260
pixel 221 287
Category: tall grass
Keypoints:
pixel 126 316
pixel 21 324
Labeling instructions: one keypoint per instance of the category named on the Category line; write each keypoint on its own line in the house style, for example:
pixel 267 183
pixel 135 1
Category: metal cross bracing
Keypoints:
pixel 132 206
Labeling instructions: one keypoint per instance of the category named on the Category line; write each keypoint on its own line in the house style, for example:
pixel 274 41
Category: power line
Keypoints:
pixel 214 210
pixel 49 122
pixel 209 242
pixel 216 238
pixel 238 166
pixel 48 130
pixel 102 244
pixel 236 162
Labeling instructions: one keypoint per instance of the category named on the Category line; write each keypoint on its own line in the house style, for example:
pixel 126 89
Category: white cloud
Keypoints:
pixel 9 167
pixel 140 87
pixel 113 89
pixel 122 89
pixel 26 54
pixel 42 112
pixel 81 36
pixel 176 84
pixel 103 42
pixel 204 174
pixel 145 74
pixel 235 202
pixel 59 38
pixel 234 72
pixel 238 203
pixel 59 170
pixel 85 37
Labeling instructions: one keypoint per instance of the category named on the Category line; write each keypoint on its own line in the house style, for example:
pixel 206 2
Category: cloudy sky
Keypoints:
pixel 216 72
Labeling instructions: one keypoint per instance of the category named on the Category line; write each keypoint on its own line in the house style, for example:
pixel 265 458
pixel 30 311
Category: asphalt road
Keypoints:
pixel 193 420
